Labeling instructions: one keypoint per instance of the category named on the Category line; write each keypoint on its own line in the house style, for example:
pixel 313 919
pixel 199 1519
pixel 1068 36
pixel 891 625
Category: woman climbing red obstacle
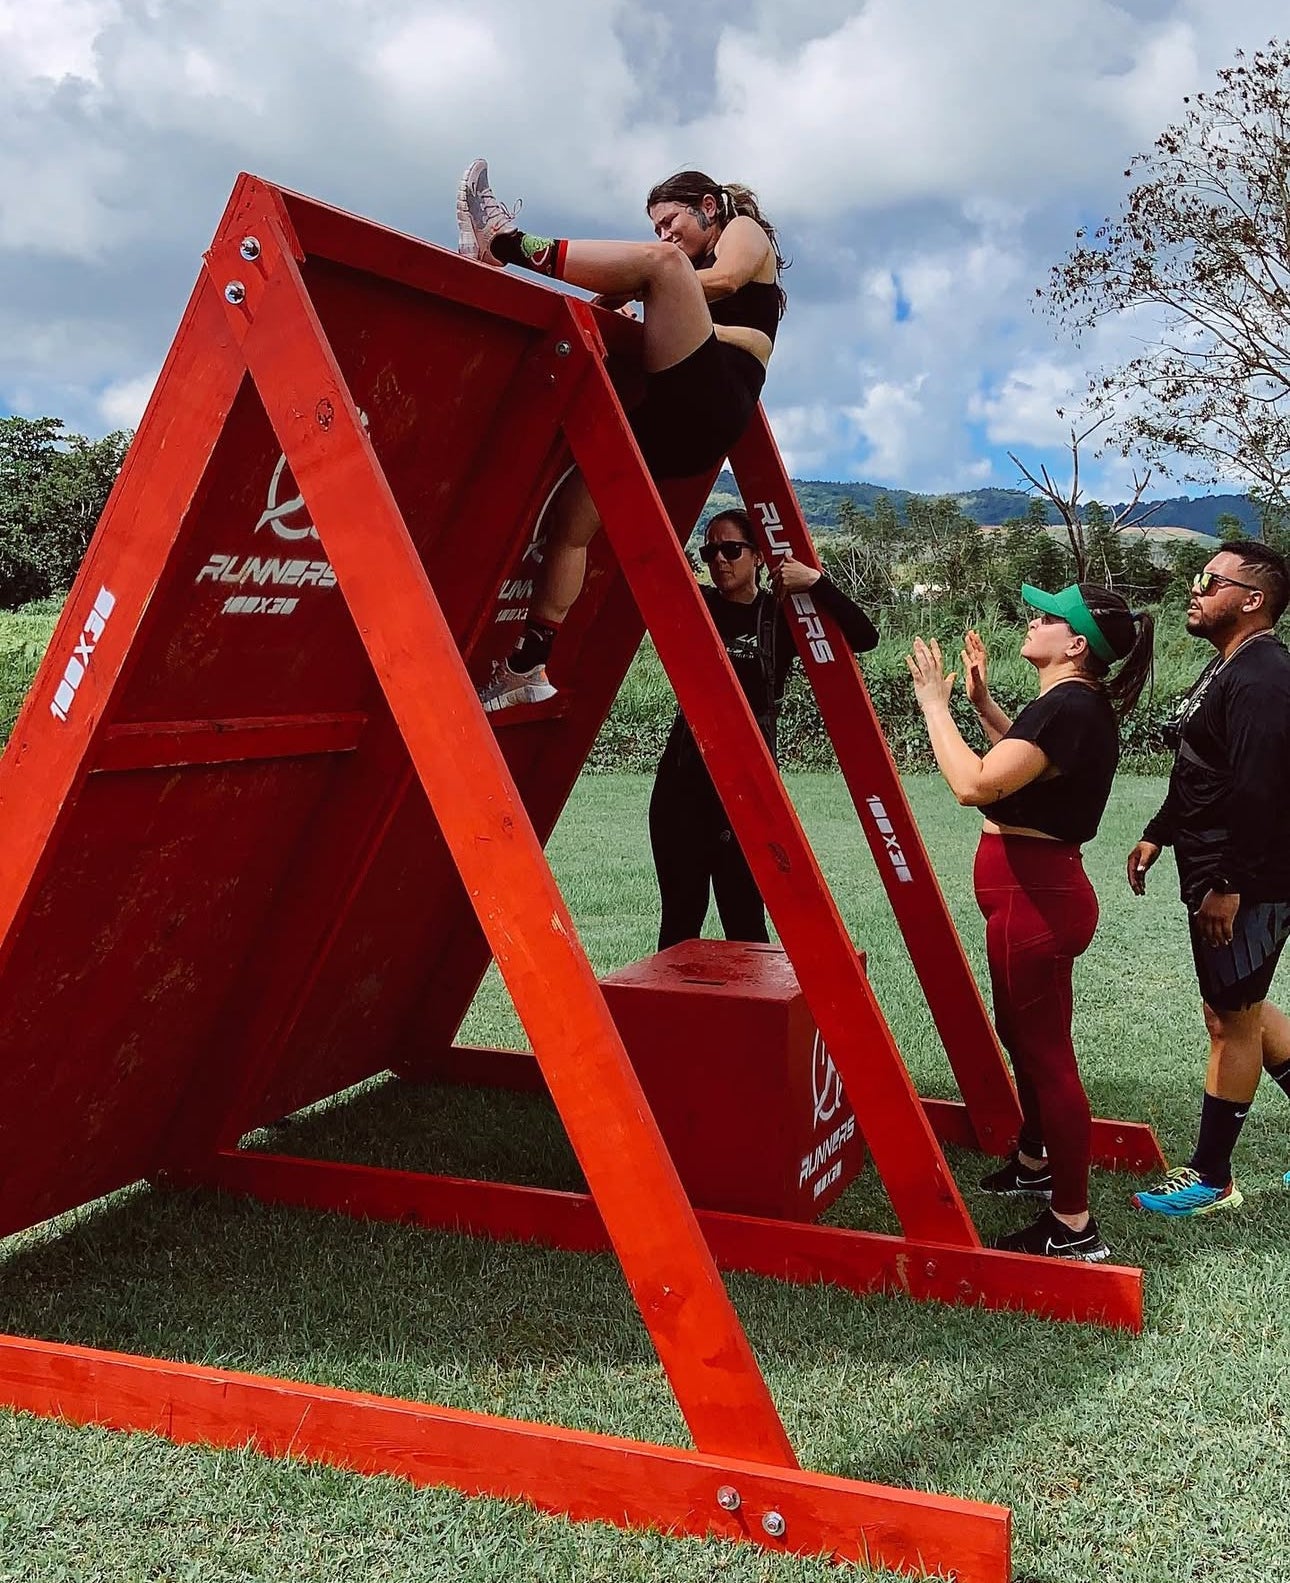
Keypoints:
pixel 712 303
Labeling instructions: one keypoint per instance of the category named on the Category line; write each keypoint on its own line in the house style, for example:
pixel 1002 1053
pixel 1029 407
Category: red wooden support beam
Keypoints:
pixel 169 744
pixel 97 634
pixel 585 1476
pixel 923 1192
pixel 700 1342
pixel 1117 1145
pixel 885 816
pixel 858 1261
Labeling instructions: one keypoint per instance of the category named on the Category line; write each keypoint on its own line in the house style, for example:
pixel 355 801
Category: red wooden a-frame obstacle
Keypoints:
pixel 261 841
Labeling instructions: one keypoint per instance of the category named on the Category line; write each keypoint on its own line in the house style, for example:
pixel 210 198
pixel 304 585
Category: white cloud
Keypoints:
pixel 1022 410
pixel 121 405
pixel 926 162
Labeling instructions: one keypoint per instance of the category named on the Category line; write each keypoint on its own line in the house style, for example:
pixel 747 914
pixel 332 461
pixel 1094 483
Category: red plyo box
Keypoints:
pixel 738 1077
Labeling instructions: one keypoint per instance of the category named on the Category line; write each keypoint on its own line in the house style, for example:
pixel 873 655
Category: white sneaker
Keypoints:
pixel 506 687
pixel 481 216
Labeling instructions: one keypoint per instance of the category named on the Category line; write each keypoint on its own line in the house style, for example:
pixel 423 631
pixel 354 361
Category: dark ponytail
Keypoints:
pixel 1131 633
pixel 691 187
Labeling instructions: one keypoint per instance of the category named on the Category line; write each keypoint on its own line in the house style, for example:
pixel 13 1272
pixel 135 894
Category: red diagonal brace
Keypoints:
pixel 904 1148
pixel 885 816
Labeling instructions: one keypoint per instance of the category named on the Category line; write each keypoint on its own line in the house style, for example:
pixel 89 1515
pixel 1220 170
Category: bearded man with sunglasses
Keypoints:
pixel 1227 819
pixel 696 854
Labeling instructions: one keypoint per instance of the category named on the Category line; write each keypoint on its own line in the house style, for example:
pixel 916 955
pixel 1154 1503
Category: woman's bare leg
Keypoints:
pixel 574 523
pixel 677 320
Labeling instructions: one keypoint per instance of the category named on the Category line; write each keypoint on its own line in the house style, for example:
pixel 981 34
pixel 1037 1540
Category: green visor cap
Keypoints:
pixel 1069 606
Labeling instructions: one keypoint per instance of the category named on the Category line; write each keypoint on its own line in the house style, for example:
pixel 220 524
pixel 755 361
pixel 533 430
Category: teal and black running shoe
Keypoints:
pixel 1182 1193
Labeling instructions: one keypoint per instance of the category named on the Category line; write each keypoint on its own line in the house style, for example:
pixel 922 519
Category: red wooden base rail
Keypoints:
pixel 583 1476
pixel 858 1261
pixel 1117 1145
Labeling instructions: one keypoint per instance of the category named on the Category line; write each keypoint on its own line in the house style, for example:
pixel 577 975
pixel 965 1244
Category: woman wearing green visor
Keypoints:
pixel 1043 786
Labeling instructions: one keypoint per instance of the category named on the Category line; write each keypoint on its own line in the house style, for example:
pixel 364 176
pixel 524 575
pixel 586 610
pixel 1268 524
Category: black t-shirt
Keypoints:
pixel 1075 726
pixel 761 652
pixel 1226 813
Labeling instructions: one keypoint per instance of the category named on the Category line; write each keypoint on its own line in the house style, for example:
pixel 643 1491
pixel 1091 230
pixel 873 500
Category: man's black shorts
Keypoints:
pixel 1235 976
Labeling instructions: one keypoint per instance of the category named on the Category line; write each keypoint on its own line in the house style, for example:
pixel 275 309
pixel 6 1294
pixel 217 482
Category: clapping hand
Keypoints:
pixel 975 666
pixel 931 685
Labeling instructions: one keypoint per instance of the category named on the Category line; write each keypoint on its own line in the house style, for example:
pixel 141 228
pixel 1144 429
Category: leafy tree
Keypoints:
pixel 53 487
pixel 1141 579
pixel 1201 245
pixel 866 559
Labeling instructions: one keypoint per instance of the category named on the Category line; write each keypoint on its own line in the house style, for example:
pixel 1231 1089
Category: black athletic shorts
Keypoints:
pixel 1235 976
pixel 694 411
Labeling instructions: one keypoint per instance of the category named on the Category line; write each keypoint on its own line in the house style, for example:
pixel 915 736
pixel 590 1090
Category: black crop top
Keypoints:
pixel 755 305
pixel 1076 728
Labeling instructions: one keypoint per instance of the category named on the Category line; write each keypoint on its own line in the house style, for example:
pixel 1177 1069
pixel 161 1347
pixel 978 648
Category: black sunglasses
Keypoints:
pixel 1204 581
pixel 727 549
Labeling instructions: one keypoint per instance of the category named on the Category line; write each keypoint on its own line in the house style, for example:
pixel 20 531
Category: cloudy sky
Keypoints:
pixel 926 161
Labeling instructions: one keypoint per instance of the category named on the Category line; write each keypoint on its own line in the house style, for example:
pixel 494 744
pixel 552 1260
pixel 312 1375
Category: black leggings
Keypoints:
pixel 695 851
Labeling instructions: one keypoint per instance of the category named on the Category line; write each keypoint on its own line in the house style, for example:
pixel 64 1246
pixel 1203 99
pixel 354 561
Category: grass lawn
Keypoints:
pixel 1153 1459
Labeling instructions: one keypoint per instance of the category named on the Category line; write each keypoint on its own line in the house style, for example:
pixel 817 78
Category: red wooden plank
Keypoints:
pixel 81 677
pixel 885 816
pixel 1117 1145
pixel 718 1385
pixel 585 1476
pixel 858 1261
pixel 341 238
pixel 904 1149
pixel 170 744
pixel 292 969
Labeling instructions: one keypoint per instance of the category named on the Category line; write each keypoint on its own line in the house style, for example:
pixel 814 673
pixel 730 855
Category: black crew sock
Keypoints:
pixel 534 648
pixel 1221 1121
pixel 542 254
pixel 1280 1075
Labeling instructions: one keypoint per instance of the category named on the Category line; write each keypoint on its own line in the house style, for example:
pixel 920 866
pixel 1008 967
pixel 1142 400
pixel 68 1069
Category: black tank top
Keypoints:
pixel 755 305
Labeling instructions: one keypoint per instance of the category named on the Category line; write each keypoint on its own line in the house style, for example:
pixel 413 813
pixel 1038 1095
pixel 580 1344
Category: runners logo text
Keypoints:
pixel 237 571
pixel 74 673
pixel 824 1153
pixel 890 840
pixel 802 605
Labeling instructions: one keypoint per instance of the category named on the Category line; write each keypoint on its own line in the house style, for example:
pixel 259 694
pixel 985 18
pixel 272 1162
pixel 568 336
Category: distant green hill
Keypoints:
pixel 820 500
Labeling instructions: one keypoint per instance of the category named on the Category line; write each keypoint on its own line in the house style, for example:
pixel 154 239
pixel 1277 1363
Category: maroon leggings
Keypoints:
pixel 1040 913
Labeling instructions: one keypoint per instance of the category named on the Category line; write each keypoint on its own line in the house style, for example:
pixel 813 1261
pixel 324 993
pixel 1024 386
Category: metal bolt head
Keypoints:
pixel 235 292
pixel 250 248
pixel 774 1525
pixel 728 1498
pixel 562 349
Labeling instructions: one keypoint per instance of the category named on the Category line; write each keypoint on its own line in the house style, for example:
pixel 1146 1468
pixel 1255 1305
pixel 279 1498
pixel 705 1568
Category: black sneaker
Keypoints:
pixel 1015 1180
pixel 1051 1237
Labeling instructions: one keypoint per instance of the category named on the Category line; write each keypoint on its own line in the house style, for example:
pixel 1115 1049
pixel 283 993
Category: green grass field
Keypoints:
pixel 1152 1459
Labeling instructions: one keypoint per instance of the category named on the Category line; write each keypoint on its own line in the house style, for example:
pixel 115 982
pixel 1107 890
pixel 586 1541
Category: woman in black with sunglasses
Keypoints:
pixel 695 850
